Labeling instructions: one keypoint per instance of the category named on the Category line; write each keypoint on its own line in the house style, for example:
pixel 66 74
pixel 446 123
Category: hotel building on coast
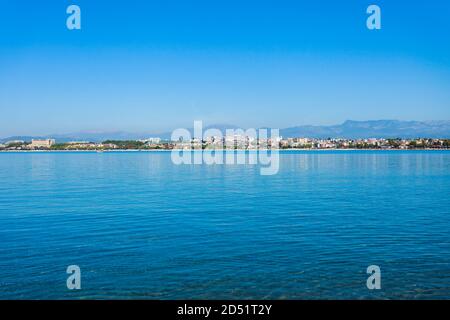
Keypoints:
pixel 42 143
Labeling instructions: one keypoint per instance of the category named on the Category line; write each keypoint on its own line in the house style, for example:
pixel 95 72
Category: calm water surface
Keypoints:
pixel 140 227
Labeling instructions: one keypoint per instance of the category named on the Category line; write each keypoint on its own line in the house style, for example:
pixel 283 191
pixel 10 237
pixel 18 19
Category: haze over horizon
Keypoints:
pixel 221 126
pixel 349 129
pixel 136 65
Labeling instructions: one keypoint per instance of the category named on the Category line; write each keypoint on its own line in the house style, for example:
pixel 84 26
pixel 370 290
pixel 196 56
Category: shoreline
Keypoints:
pixel 217 150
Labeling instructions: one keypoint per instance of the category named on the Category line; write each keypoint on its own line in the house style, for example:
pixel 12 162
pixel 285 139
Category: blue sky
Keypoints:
pixel 157 65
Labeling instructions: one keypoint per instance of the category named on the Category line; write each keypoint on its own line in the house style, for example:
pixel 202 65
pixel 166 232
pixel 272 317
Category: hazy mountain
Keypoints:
pixel 373 129
pixel 84 136
pixel 348 129
pixel 99 136
pixel 221 127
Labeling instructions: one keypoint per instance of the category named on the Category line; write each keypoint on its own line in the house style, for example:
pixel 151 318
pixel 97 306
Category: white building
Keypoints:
pixel 44 143
pixel 154 140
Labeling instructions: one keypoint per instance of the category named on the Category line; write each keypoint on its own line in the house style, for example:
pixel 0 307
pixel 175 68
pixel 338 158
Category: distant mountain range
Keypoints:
pixel 373 129
pixel 349 129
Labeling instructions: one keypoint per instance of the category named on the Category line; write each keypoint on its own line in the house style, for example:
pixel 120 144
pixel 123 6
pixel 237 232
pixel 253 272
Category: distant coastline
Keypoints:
pixel 209 150
pixel 239 141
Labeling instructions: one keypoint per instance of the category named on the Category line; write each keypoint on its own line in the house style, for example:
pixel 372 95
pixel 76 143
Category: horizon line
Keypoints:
pixel 219 126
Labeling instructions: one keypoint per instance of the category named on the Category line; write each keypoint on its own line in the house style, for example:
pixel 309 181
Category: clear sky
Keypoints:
pixel 160 64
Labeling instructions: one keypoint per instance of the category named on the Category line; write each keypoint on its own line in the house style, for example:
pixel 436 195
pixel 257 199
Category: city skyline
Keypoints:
pixel 139 65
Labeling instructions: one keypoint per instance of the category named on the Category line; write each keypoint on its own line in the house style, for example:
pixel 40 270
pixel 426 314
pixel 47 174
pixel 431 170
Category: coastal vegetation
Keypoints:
pixel 125 144
pixel 241 143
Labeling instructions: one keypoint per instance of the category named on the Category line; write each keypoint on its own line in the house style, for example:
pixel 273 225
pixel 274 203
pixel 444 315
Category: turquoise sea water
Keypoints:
pixel 141 227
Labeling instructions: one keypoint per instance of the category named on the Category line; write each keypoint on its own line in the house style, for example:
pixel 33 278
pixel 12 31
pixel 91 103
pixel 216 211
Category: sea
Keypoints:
pixel 139 226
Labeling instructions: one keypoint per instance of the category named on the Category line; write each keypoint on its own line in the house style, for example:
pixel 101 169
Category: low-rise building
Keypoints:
pixel 154 140
pixel 107 145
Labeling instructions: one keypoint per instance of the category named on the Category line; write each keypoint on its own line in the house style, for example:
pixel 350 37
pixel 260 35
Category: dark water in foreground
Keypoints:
pixel 141 227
